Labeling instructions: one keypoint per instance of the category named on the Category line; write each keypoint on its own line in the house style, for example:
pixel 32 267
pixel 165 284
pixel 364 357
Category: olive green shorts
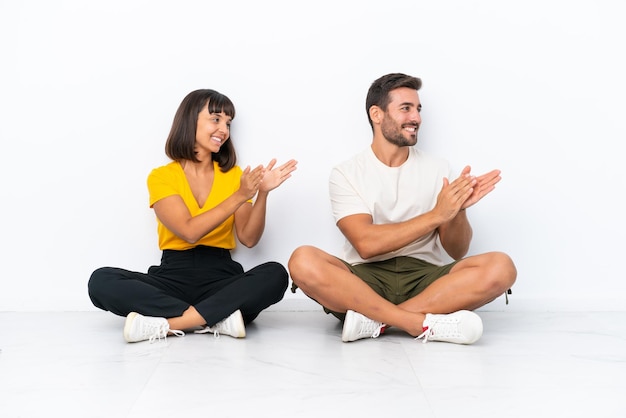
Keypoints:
pixel 397 279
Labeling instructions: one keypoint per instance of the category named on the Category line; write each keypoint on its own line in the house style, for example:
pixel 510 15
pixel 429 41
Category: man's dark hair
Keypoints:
pixel 181 141
pixel 378 94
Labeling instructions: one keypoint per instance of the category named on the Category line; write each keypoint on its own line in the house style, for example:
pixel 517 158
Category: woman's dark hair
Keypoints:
pixel 181 141
pixel 378 93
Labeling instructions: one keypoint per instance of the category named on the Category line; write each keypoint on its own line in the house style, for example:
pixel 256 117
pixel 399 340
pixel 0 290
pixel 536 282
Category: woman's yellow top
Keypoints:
pixel 170 180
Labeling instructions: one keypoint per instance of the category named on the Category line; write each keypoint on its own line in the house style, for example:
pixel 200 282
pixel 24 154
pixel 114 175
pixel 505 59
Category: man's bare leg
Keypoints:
pixel 327 280
pixel 470 284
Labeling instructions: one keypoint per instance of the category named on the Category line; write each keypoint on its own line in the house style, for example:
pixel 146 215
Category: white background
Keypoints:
pixel 89 90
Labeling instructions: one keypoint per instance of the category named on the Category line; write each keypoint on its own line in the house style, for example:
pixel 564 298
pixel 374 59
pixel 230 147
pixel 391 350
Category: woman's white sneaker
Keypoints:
pixel 233 326
pixel 461 327
pixel 141 328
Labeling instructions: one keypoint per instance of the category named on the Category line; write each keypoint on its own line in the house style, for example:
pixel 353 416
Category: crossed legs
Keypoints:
pixel 471 283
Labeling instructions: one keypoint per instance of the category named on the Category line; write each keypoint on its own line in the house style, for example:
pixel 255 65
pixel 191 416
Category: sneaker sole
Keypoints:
pixel 347 324
pixel 242 327
pixel 478 329
pixel 127 326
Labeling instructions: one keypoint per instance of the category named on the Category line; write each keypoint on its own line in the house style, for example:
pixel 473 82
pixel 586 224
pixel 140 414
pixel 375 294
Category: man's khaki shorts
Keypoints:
pixel 397 279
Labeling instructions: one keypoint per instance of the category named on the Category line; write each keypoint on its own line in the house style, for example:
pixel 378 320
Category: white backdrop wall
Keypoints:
pixel 89 90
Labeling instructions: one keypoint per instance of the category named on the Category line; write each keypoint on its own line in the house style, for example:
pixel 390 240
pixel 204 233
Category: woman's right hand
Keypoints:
pixel 250 181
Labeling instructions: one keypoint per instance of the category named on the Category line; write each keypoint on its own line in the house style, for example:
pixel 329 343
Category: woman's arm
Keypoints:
pixel 174 214
pixel 250 219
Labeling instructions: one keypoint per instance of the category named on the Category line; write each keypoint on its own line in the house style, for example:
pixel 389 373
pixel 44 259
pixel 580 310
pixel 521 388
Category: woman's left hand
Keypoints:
pixel 274 177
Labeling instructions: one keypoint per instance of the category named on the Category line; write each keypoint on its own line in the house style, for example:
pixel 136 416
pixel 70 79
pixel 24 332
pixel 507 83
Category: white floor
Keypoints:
pixel 293 364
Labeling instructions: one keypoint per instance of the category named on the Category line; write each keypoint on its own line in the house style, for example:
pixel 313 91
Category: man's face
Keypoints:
pixel 402 118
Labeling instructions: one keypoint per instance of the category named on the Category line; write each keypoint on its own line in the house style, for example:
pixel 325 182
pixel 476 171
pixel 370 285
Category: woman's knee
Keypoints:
pixel 274 272
pixel 275 268
pixel 98 286
pixel 98 280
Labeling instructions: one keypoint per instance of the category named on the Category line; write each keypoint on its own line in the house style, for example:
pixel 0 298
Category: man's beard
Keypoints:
pixel 395 135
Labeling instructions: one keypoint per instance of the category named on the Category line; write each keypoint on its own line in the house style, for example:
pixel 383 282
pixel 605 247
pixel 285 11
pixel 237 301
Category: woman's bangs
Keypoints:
pixel 221 103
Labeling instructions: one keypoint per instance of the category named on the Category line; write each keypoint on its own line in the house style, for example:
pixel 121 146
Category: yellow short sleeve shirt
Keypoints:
pixel 170 180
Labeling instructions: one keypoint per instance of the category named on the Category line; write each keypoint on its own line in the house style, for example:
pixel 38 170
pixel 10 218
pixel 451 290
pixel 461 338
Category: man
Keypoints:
pixel 399 211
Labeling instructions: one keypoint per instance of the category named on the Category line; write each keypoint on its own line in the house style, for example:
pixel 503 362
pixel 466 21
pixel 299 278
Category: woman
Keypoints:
pixel 201 199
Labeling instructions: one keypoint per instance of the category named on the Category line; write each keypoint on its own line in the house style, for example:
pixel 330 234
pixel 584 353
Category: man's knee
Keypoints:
pixel 502 271
pixel 301 260
pixel 306 267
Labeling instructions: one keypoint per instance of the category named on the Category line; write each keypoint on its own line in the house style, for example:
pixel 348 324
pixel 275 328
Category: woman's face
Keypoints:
pixel 212 131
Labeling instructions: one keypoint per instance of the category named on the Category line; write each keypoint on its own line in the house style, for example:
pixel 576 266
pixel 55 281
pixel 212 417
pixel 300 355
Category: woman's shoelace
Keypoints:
pixel 205 330
pixel 161 331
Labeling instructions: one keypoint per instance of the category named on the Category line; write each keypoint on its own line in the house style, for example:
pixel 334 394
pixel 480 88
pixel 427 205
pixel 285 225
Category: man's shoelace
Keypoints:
pixel 447 328
pixel 427 333
pixel 371 327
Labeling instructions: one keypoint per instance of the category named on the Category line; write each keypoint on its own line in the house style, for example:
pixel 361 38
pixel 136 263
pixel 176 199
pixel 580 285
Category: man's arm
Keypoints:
pixel 371 240
pixel 456 235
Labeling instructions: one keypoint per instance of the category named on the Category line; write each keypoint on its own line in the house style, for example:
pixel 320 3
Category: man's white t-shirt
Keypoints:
pixel 364 184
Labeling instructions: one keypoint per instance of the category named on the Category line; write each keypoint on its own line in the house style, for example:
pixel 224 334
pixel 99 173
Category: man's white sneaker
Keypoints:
pixel 461 327
pixel 140 328
pixel 357 326
pixel 233 326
